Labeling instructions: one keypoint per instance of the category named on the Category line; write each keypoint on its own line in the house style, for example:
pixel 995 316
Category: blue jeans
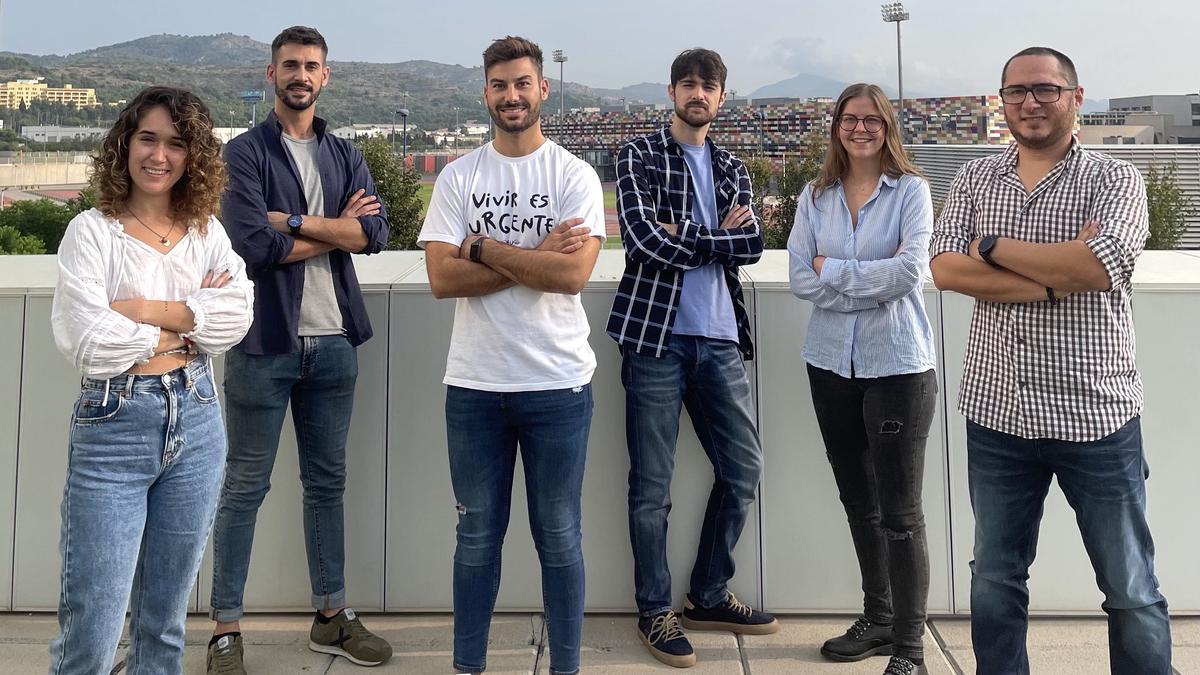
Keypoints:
pixel 143 474
pixel 708 377
pixel 484 430
pixel 318 383
pixel 1104 481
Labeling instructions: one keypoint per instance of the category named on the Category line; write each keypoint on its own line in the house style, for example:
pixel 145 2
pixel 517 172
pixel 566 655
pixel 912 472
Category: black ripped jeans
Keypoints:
pixel 875 431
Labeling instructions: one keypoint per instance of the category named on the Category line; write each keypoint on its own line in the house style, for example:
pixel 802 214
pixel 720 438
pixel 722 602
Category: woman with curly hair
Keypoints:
pixel 859 251
pixel 148 290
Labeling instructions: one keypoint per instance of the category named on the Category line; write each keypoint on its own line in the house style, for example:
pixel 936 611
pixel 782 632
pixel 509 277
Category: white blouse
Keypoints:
pixel 99 264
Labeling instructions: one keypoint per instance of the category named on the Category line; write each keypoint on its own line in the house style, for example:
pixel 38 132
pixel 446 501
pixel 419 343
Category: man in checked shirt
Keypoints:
pixel 681 324
pixel 1044 236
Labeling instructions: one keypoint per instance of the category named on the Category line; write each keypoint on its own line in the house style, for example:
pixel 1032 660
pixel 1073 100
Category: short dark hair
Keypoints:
pixel 1064 63
pixel 299 35
pixel 703 62
pixel 511 48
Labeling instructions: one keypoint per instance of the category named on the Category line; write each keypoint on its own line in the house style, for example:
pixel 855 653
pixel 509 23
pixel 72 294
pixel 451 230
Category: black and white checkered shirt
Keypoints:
pixel 1037 370
pixel 655 186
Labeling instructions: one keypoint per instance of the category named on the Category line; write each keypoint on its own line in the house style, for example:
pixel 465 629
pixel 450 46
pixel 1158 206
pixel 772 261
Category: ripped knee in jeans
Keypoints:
pixel 891 427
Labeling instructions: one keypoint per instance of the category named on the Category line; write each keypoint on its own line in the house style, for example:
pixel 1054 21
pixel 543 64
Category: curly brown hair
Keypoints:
pixel 197 195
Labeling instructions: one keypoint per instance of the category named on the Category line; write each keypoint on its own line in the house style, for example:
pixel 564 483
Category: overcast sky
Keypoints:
pixel 950 47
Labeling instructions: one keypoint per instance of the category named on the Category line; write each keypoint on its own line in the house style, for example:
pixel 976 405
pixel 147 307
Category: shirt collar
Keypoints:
pixel 272 122
pixel 1008 160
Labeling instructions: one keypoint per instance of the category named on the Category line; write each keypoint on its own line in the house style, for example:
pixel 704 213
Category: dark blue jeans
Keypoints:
pixel 875 430
pixel 318 383
pixel 1104 481
pixel 484 431
pixel 708 377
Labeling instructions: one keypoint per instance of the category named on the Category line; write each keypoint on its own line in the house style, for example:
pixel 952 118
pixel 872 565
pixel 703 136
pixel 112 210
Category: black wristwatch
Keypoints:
pixel 294 222
pixel 476 251
pixel 986 246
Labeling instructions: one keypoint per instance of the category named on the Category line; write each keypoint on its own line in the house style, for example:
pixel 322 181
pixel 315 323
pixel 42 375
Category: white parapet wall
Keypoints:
pixel 795 553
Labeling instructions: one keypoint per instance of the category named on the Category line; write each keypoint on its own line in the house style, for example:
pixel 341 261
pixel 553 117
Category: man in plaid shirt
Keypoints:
pixel 1045 237
pixel 681 324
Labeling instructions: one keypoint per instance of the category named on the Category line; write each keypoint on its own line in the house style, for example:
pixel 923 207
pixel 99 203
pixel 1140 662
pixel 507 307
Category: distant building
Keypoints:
pixel 55 134
pixel 1176 117
pixel 771 127
pixel 354 131
pixel 940 163
pixel 16 92
pixel 1122 134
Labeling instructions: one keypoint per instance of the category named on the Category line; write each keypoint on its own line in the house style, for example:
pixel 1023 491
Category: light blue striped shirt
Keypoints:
pixel 868 314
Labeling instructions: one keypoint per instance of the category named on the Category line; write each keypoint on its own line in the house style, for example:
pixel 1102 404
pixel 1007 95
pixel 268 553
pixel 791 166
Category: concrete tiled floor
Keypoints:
pixel 277 645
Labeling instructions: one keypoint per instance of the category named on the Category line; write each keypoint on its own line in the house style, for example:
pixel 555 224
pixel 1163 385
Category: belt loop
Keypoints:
pixel 104 402
pixel 129 385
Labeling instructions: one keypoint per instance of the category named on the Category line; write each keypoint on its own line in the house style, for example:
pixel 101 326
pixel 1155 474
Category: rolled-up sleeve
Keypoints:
pixel 375 227
pixel 98 340
pixel 955 227
pixel 222 315
pixel 1120 209
pixel 244 210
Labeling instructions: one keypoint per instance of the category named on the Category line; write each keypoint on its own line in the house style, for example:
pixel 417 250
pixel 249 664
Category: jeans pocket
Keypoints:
pixel 204 390
pixel 96 405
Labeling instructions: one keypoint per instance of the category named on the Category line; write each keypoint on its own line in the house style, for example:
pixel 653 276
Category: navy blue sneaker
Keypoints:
pixel 732 615
pixel 665 639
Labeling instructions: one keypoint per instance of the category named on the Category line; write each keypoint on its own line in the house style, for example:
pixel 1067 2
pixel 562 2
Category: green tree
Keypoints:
pixel 12 242
pixel 760 171
pixel 398 186
pixel 1169 207
pixel 790 181
pixel 42 219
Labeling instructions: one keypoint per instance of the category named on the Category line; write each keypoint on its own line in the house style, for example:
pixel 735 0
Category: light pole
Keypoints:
pixel 894 12
pixel 231 125
pixel 762 120
pixel 456 127
pixel 394 113
pixel 403 118
pixel 560 58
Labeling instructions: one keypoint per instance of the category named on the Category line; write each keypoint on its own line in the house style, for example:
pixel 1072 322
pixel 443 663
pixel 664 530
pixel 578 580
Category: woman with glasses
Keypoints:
pixel 859 252
pixel 148 290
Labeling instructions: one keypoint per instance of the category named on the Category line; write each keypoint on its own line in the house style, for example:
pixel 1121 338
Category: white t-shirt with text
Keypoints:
pixel 517 339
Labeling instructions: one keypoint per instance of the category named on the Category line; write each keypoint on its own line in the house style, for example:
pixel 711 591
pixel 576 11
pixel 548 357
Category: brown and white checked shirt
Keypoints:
pixel 1037 370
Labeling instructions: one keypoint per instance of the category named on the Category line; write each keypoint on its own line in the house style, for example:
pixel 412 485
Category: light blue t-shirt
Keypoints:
pixel 705 308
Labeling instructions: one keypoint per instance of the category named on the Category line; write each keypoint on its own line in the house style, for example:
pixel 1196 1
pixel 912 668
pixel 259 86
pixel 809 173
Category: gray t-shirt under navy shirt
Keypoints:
pixel 319 311
pixel 705 308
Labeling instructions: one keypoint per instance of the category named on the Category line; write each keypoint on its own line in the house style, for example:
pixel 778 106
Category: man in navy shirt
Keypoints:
pixel 681 323
pixel 299 203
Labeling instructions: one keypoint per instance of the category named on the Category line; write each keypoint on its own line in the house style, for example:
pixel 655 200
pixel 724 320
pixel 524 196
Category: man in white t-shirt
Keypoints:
pixel 512 232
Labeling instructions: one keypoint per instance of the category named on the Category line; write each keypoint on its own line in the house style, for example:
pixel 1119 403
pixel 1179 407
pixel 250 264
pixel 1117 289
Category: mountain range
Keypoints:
pixel 217 67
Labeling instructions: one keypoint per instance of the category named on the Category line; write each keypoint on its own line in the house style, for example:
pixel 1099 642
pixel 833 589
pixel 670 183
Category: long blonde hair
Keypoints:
pixel 894 159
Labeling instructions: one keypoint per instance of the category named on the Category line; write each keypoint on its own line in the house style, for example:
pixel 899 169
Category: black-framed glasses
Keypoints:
pixel 872 123
pixel 1042 93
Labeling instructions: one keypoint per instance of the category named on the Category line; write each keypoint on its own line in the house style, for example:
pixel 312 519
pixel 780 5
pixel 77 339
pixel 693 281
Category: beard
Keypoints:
pixel 282 93
pixel 1048 136
pixel 695 117
pixel 532 110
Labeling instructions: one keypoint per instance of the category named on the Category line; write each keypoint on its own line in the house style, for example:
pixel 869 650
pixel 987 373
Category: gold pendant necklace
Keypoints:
pixel 162 238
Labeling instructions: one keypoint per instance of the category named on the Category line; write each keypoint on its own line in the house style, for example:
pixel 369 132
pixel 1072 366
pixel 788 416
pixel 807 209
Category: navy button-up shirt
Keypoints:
pixel 263 177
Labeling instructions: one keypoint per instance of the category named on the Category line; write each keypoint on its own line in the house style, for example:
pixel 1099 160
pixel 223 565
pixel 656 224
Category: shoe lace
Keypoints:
pixel 859 628
pixel 356 630
pixel 738 606
pixel 664 628
pixel 899 665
